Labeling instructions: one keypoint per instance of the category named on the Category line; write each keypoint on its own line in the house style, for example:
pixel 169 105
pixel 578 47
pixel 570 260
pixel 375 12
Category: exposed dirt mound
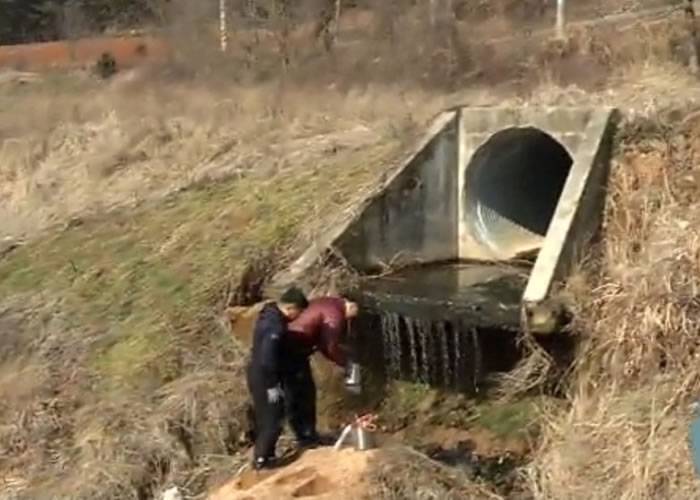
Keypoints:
pixel 318 474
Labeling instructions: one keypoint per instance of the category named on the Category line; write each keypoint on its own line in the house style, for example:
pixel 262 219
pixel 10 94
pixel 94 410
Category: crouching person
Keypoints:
pixel 265 372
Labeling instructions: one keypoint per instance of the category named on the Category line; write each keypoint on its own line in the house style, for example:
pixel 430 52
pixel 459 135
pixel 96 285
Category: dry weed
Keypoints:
pixel 404 474
pixel 625 435
pixel 123 146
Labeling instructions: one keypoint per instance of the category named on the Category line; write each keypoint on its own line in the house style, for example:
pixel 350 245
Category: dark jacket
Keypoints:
pixel 320 326
pixel 268 336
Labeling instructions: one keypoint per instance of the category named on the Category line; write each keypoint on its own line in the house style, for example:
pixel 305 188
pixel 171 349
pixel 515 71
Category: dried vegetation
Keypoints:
pixel 116 378
pixel 636 373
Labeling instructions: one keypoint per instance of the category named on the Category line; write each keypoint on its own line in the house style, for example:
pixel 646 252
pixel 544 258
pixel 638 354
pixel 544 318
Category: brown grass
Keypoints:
pixel 98 148
pixel 115 378
pixel 625 434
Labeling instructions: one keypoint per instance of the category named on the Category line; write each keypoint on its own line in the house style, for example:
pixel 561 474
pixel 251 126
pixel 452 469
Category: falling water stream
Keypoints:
pixel 432 320
pixel 392 343
pixel 431 352
pixel 412 348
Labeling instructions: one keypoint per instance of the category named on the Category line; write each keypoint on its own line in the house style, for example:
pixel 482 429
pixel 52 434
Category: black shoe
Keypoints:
pixel 262 463
pixel 310 442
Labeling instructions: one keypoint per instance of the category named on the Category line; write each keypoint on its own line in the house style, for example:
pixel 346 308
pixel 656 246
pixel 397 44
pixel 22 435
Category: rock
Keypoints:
pixel 172 494
pixel 241 320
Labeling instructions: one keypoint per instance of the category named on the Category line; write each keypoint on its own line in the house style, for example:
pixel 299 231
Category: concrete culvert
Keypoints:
pixel 513 184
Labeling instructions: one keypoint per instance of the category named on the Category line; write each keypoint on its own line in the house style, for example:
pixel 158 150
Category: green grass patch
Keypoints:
pixel 511 419
pixel 133 273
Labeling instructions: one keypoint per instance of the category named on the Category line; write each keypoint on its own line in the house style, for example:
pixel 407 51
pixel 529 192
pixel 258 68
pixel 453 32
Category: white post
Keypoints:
pixel 560 18
pixel 223 32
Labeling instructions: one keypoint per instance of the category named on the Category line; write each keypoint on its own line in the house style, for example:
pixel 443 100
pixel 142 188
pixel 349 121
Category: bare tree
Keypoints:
pixel 223 28
pixel 328 23
pixel 691 23
pixel 561 21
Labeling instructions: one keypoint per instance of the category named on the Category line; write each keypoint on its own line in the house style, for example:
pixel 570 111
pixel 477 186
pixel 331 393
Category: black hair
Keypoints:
pixel 294 296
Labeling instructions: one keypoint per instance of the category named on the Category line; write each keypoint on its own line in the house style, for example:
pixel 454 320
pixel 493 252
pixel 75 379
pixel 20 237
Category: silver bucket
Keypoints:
pixel 364 439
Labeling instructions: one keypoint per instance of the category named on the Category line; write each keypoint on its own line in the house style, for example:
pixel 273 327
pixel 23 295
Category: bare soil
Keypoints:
pixel 319 474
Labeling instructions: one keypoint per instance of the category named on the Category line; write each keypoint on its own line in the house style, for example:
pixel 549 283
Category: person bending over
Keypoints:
pixel 320 327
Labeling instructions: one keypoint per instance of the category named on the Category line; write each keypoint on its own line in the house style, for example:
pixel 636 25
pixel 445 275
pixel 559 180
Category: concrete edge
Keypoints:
pixel 315 253
pixel 465 236
pixel 558 251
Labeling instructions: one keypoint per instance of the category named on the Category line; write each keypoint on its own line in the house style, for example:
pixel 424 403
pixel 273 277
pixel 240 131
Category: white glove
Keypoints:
pixel 352 378
pixel 274 395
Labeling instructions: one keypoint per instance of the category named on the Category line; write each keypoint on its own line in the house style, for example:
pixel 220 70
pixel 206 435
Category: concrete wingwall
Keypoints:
pixel 410 182
pixel 580 208
pixel 414 218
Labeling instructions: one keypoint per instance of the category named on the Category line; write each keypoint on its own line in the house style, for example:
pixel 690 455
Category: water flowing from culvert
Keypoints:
pixel 423 341
pixel 457 356
pixel 446 367
pixel 412 348
pixel 432 352
pixel 435 321
pixel 478 359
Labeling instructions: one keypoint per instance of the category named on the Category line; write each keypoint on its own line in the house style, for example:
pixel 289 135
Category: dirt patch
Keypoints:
pixel 314 487
pixel 319 474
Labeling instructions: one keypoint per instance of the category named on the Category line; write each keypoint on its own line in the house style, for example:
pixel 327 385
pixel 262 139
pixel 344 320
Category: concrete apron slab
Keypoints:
pixel 487 186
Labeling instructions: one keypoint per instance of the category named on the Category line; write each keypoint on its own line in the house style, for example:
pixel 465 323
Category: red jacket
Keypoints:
pixel 322 326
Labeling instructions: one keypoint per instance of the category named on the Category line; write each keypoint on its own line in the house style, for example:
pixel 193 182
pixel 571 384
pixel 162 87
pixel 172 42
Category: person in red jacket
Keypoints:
pixel 320 327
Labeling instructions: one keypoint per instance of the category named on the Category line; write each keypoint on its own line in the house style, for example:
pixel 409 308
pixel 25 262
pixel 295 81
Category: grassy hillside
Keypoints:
pixel 138 203
pixel 112 353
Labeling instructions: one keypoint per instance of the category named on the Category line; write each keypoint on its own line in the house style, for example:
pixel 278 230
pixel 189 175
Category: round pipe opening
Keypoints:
pixel 514 181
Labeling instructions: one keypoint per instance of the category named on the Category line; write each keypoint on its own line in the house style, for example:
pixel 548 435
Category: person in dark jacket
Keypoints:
pixel 265 372
pixel 320 327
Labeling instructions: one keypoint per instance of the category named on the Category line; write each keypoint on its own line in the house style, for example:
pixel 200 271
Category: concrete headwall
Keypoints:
pixel 550 166
pixel 413 219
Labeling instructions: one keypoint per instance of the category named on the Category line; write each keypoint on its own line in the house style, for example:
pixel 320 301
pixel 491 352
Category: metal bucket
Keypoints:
pixel 364 439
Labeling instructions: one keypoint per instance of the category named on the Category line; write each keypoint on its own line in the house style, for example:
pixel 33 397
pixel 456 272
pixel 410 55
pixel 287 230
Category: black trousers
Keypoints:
pixel 267 417
pixel 300 398
pixel 299 404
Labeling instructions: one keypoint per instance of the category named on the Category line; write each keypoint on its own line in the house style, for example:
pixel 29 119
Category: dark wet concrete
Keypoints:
pixel 477 295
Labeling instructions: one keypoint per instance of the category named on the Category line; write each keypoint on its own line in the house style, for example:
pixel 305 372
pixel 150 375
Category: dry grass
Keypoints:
pixel 115 378
pixel 136 385
pixel 96 148
pixel 625 434
pixel 403 474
